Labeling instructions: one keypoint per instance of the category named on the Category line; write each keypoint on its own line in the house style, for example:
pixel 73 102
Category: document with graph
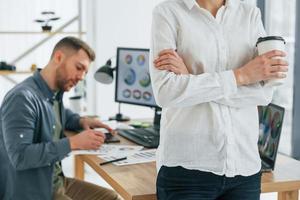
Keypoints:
pixel 142 156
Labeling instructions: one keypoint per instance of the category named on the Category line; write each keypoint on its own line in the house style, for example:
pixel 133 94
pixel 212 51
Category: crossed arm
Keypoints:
pixel 248 76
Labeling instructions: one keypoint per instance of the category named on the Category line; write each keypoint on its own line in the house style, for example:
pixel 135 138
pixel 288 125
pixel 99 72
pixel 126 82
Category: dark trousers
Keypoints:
pixel 75 189
pixel 178 183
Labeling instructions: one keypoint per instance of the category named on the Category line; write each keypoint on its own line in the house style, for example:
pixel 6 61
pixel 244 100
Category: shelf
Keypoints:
pixel 7 72
pixel 39 32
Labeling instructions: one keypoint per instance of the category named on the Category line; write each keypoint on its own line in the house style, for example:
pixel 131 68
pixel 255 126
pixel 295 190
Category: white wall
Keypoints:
pixel 111 24
pixel 21 18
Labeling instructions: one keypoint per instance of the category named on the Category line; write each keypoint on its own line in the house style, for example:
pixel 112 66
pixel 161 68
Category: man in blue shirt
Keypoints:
pixel 32 123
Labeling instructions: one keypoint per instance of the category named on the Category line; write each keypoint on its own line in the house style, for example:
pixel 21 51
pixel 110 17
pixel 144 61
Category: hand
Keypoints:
pixel 91 123
pixel 263 67
pixel 88 139
pixel 169 60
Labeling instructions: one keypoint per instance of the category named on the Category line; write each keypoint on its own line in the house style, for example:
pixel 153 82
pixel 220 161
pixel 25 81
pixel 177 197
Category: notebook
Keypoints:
pixel 270 125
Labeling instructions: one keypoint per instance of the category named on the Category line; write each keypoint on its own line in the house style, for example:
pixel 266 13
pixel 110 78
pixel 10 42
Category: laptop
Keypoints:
pixel 270 125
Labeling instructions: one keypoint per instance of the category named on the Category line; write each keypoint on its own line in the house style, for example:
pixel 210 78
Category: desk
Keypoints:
pixel 137 182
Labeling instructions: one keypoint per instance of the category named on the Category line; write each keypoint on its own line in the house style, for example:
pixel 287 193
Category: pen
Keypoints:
pixel 114 160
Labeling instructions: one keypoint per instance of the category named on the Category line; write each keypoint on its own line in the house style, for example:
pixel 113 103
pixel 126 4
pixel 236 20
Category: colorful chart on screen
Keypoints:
pixel 145 79
pixel 269 130
pixel 129 76
pixel 133 84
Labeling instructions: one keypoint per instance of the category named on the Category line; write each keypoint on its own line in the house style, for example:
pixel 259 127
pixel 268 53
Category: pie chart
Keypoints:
pixel 128 59
pixel 145 80
pixel 129 76
pixel 141 60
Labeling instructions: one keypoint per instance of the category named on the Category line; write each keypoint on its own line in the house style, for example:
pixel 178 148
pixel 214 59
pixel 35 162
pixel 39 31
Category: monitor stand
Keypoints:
pixel 157 116
pixel 119 116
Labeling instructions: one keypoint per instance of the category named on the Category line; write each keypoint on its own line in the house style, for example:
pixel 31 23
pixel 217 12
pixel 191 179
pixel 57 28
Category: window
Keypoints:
pixel 280 20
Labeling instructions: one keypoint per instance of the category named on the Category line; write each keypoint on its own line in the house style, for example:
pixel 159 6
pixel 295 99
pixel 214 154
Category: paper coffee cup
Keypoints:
pixel 269 43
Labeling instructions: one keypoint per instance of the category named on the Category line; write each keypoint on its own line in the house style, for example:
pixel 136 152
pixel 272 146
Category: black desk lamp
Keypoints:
pixel 105 75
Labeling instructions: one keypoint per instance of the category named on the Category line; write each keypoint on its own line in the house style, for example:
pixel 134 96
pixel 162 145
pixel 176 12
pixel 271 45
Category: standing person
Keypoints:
pixel 208 81
pixel 32 122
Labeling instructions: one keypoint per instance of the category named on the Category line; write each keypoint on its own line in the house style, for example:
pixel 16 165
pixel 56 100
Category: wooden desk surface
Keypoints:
pixel 286 175
pixel 137 182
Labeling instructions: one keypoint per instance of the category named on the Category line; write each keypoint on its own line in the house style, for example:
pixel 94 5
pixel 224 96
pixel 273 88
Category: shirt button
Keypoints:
pixel 53 126
pixel 21 135
pixel 47 99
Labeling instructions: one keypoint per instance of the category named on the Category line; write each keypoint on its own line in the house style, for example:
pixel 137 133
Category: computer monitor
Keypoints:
pixel 133 83
pixel 270 125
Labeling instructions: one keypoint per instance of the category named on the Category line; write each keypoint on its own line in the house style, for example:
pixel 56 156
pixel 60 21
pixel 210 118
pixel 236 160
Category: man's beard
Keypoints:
pixel 61 82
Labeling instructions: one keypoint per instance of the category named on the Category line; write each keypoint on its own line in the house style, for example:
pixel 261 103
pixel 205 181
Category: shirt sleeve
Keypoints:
pixel 72 121
pixel 19 117
pixel 171 90
pixel 254 94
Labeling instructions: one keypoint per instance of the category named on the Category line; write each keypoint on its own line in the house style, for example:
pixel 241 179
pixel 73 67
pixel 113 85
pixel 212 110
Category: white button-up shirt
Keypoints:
pixel 208 123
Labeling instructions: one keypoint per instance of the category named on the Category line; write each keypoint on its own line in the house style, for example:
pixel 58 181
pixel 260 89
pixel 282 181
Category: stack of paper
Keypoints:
pixel 112 150
pixel 143 156
pixel 134 154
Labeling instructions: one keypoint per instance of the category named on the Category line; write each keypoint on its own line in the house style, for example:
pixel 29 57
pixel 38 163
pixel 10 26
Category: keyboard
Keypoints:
pixel 147 137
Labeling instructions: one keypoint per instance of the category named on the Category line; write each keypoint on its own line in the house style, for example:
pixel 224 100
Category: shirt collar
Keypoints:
pixel 45 89
pixel 231 3
pixel 191 3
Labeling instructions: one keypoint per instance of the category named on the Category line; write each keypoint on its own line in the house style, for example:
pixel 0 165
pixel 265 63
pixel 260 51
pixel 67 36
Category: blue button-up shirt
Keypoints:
pixel 27 150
